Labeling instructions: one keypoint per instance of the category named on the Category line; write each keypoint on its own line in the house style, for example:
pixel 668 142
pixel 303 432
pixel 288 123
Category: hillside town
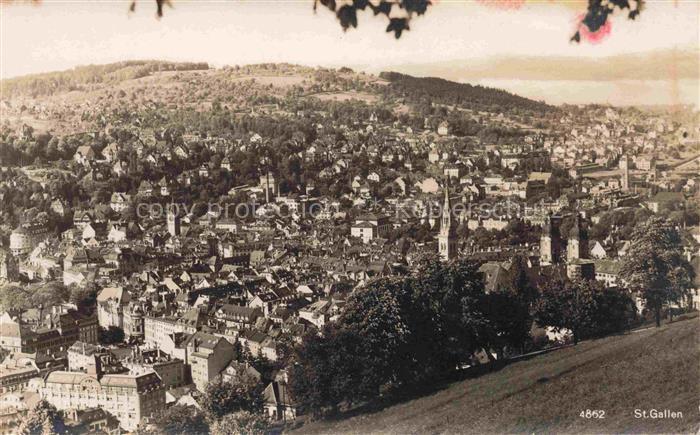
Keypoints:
pixel 168 229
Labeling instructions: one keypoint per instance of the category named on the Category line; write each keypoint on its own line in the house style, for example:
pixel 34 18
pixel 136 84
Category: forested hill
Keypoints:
pixel 75 79
pixel 141 92
pixel 431 89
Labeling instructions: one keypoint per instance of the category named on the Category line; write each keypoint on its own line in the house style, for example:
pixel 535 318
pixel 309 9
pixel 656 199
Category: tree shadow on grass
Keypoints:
pixel 407 394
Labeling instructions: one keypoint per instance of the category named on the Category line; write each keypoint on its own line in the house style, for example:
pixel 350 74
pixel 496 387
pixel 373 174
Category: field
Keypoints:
pixel 655 368
pixel 347 96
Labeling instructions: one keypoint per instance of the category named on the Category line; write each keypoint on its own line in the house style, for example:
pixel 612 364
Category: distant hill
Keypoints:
pixel 198 85
pixel 74 79
pixel 645 370
pixel 655 65
pixel 438 90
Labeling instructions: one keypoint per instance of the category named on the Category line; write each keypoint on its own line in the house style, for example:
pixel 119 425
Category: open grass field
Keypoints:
pixel 347 96
pixel 656 368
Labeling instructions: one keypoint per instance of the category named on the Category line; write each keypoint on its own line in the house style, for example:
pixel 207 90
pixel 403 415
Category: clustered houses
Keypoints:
pixel 46 334
pixel 199 290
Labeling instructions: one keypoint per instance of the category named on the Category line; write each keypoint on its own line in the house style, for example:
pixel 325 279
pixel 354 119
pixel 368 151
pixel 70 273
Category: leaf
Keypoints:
pixel 576 38
pixel 397 25
pixel 347 16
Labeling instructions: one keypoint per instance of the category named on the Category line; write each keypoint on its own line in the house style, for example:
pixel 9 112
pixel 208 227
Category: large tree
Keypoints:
pixel 453 298
pixel 394 332
pixel 656 267
pixel 367 349
pixel 242 393
pixel 14 298
pixel 111 335
pixel 377 314
pixel 241 423
pixel 586 308
pixel 178 420
pixel 43 419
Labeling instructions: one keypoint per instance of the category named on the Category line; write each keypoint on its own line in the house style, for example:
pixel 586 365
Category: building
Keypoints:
pixel 111 303
pixel 207 355
pixel 364 231
pixel 53 334
pixel 237 316
pixel 84 154
pixel 268 184
pixel 92 359
pixel 580 269
pixel 9 267
pixel 13 407
pixel 447 239
pixel 550 241
pixel 130 398
pixel 625 167
pixel 645 163
pixel 279 404
pixel 15 373
pixel 665 200
pixel 577 244
pixel 162 333
pixel 120 201
pixel 174 222
pixel 496 276
pixel 133 322
pixel 370 226
pixel 170 370
pixel 91 421
pixel 27 236
pixel 14 336
pixel 317 313
pixel 607 271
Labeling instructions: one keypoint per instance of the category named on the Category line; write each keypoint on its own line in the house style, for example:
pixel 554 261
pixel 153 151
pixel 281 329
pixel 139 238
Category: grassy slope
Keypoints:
pixel 654 368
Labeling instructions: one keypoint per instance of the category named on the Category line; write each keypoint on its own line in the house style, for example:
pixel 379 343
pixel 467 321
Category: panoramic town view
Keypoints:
pixel 257 248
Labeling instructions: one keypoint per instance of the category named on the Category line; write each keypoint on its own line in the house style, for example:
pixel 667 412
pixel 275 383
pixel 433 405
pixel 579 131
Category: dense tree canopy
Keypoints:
pixel 241 423
pixel 177 420
pixel 14 297
pixel 655 265
pixel 585 308
pixel 405 331
pixel 242 393
pixel 43 419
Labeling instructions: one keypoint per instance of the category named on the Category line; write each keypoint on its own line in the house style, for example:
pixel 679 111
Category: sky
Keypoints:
pixel 61 34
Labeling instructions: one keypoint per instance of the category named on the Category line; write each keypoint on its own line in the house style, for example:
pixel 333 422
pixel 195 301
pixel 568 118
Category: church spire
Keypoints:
pixel 446 226
pixel 447 239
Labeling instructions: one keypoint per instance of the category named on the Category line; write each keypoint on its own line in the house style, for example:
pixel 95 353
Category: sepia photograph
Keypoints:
pixel 329 217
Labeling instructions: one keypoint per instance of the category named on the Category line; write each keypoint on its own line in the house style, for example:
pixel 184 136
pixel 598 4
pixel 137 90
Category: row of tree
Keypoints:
pixel 410 330
pixel 407 331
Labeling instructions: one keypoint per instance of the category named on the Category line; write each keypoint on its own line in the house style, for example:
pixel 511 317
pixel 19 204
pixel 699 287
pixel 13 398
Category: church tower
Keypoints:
pixel 550 241
pixel 577 245
pixel 9 269
pixel 447 239
pixel 173 218
pixel 625 166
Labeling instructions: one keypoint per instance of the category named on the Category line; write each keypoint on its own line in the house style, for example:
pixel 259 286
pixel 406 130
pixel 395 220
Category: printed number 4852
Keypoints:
pixel 592 413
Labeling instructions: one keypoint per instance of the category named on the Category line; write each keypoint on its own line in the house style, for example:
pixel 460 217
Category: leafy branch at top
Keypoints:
pixel 400 12
pixel 599 11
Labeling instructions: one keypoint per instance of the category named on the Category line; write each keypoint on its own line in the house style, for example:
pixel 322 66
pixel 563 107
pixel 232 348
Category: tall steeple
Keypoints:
pixel 625 164
pixel 447 239
pixel 577 245
pixel 173 219
pixel 550 241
